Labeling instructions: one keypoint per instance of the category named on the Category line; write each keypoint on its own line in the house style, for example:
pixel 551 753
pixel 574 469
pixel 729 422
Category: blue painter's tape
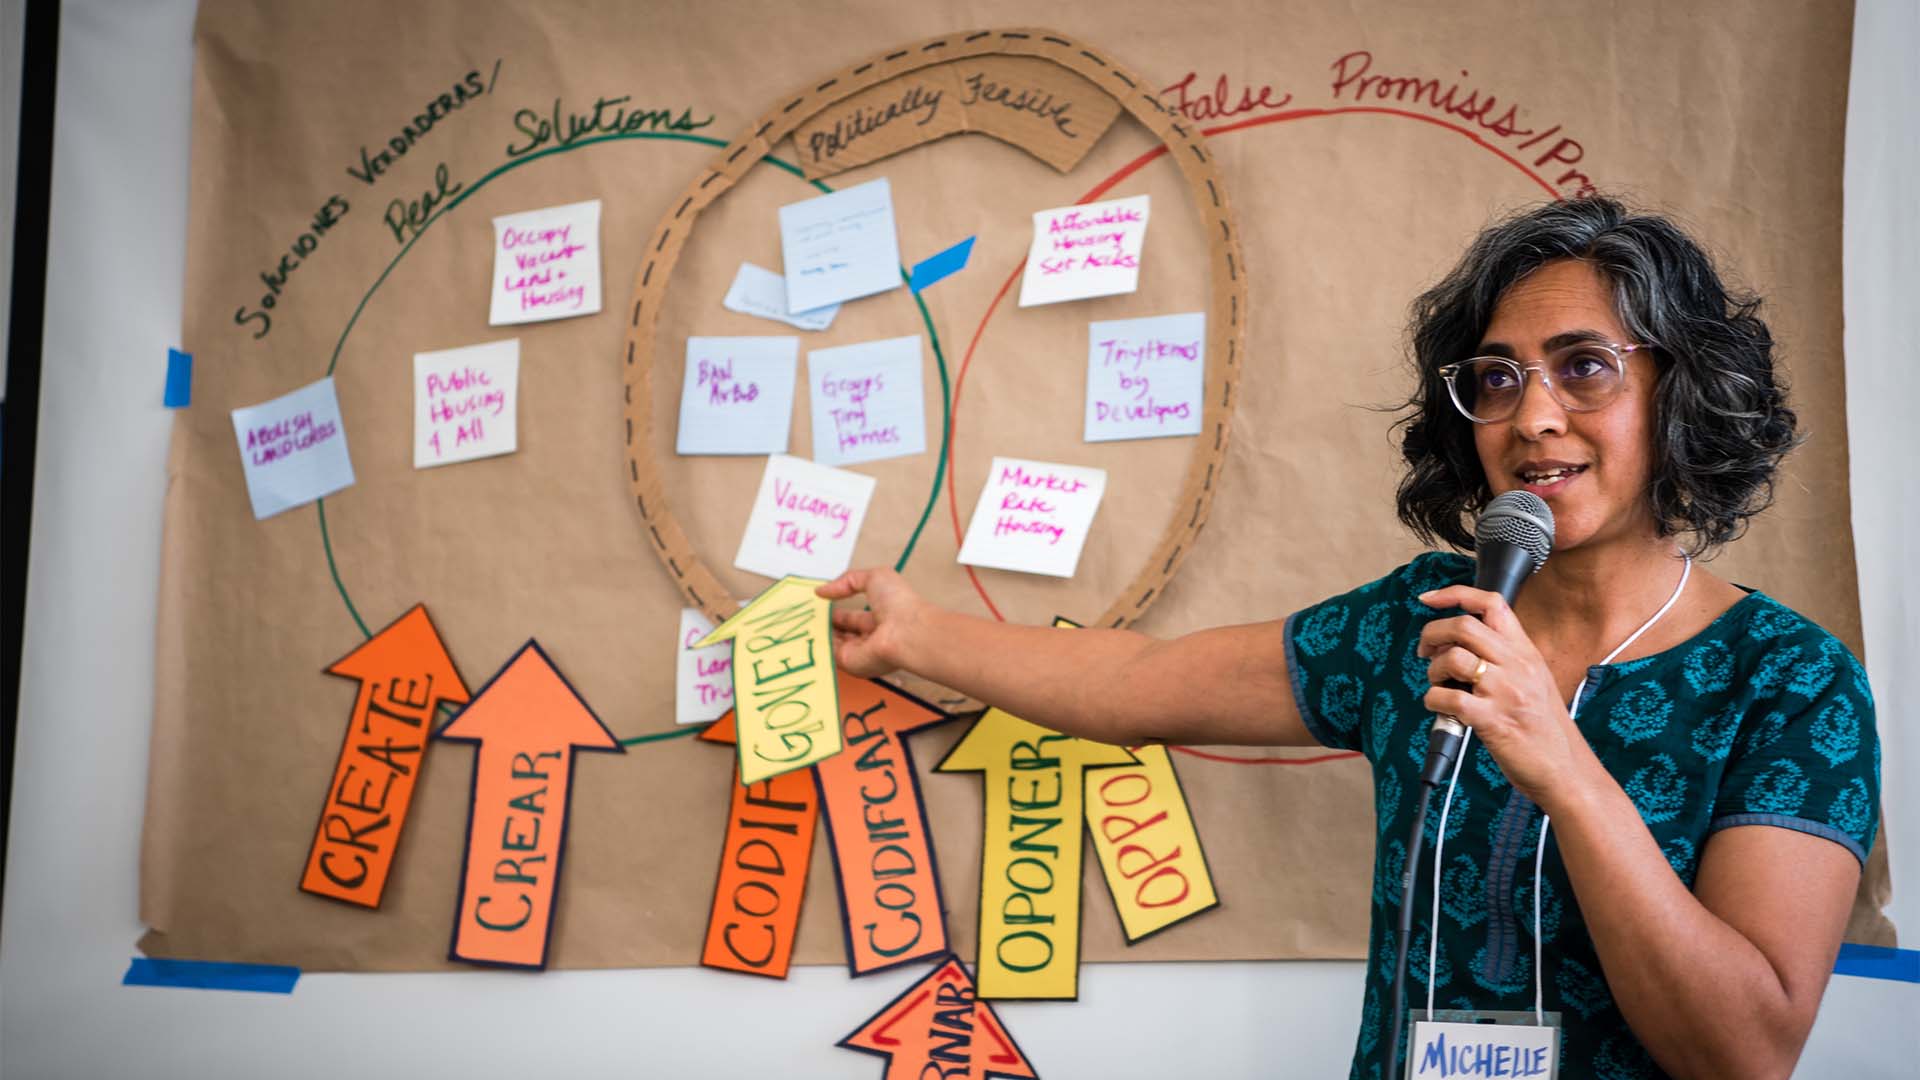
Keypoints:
pixel 208 975
pixel 1878 962
pixel 179 379
pixel 947 263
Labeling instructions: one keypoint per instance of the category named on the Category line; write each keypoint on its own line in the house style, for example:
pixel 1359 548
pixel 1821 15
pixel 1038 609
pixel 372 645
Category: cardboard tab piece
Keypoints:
pixel 783 683
pixel 883 120
pixel 1030 852
pixel 883 859
pixel 1148 848
pixel 1033 104
pixel 1036 105
pixel 763 870
pixel 528 723
pixel 405 675
pixel 940 1027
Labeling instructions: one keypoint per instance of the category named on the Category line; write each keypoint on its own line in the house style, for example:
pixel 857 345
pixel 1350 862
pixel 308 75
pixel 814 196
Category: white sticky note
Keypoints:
pixel 1033 517
pixel 1145 377
pixel 737 395
pixel 1084 251
pixel 293 448
pixel 867 403
pixel 546 264
pixel 763 293
pixel 840 246
pixel 805 519
pixel 703 690
pixel 465 403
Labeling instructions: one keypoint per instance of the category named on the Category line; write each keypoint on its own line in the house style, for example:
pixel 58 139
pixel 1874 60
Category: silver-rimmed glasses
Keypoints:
pixel 1582 377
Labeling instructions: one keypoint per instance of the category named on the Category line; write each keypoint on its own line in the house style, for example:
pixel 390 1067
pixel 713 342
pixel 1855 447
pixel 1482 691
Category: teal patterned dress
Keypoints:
pixel 1762 718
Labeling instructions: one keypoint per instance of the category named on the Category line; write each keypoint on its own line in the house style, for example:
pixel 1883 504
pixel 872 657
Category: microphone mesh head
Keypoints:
pixel 1520 518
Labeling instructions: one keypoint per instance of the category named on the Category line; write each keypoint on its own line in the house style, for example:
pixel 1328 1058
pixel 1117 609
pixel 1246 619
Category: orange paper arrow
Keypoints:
pixel 405 675
pixel 528 723
pixel 763 868
pixel 877 828
pixel 939 1027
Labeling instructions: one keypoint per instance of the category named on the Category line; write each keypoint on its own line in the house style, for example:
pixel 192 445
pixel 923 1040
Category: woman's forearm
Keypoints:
pixel 1227 685
pixel 1699 995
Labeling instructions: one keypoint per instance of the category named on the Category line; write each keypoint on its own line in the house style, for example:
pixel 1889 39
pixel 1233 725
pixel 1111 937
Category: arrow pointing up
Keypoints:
pixel 1030 851
pixel 528 723
pixel 405 675
pixel 883 856
pixel 783 684
pixel 939 1024
pixel 763 868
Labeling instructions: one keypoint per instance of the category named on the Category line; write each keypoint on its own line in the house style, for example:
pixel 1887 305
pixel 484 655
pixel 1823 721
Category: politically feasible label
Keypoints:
pixel 1024 101
pixel 405 675
pixel 883 854
pixel 527 724
pixel 763 869
pixel 939 1028
pixel 785 699
pixel 1030 854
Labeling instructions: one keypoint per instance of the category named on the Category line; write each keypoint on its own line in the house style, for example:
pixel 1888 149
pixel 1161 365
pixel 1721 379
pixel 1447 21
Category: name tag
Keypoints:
pixel 1457 1043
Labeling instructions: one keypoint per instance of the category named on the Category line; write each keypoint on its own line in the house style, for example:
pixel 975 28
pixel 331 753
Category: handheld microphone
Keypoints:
pixel 1511 542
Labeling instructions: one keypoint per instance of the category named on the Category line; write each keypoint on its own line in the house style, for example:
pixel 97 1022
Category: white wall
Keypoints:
pixel 119 211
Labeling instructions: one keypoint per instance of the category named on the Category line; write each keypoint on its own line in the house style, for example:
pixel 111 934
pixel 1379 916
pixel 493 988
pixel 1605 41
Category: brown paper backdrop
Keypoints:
pixel 1733 126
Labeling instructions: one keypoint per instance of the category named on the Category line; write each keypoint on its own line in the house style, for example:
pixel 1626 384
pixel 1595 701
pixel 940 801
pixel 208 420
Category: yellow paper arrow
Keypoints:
pixel 786 699
pixel 1030 852
pixel 1148 847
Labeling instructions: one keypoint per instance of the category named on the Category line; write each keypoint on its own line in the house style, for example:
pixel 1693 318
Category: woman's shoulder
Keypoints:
pixel 1781 650
pixel 1378 610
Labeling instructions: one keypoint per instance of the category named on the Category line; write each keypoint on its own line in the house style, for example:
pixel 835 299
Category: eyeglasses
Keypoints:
pixel 1582 377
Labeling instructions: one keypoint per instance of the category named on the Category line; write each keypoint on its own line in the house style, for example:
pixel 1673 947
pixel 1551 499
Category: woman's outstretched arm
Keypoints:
pixel 1226 685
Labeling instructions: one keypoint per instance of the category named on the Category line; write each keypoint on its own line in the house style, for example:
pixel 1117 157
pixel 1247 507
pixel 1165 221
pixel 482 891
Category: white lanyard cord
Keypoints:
pixel 1540 850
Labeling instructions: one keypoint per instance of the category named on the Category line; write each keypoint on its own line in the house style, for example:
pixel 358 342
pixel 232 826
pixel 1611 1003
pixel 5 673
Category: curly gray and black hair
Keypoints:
pixel 1722 423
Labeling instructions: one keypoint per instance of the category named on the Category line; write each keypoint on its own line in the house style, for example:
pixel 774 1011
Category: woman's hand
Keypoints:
pixel 1514 705
pixel 873 642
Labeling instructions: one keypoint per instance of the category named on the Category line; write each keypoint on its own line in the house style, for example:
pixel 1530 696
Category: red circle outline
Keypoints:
pixel 1106 185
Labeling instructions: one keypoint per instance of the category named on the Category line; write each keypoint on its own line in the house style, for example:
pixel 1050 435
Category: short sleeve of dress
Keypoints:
pixel 1806 756
pixel 1339 648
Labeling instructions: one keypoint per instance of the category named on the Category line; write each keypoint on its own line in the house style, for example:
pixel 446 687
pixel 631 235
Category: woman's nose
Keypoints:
pixel 1539 415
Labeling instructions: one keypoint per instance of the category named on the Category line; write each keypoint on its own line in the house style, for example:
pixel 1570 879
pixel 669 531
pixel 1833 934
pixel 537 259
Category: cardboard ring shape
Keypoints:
pixel 1226 304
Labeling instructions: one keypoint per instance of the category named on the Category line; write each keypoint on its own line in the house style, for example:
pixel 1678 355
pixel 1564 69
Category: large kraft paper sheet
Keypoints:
pixel 1365 194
